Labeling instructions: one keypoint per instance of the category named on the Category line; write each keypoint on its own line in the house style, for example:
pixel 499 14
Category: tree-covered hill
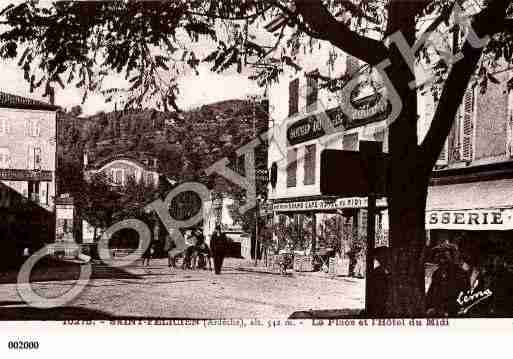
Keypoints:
pixel 185 143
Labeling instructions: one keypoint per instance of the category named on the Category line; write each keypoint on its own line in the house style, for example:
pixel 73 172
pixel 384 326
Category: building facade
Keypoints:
pixel 27 169
pixel 300 106
pixel 469 199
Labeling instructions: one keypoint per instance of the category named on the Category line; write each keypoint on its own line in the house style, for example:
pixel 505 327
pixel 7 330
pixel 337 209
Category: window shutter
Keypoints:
pixel 467 128
pixel 30 156
pixel 312 90
pixel 443 158
pixel 309 163
pixel 293 97
pixel 291 167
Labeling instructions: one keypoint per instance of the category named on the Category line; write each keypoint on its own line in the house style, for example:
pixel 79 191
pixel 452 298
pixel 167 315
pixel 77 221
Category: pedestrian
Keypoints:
pixel 447 282
pixel 148 253
pixel 218 244
pixel 169 246
pixel 379 284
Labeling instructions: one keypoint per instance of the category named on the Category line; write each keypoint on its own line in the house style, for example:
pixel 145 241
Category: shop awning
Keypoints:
pixel 485 205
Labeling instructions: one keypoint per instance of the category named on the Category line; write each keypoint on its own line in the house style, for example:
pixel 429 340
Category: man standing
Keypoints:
pixel 380 284
pixel 218 246
pixel 446 283
pixel 169 245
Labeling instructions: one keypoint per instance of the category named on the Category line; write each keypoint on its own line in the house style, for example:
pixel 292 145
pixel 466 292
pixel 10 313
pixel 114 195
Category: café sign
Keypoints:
pixel 476 219
pixel 323 204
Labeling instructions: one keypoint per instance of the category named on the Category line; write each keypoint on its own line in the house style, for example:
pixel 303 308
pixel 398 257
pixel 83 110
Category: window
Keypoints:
pixel 37 158
pixel 293 97
pixel 291 168
pixel 310 152
pixel 350 142
pixel 149 179
pixel 5 158
pixel 34 158
pixel 4 126
pixel 312 90
pixel 117 176
pixel 33 127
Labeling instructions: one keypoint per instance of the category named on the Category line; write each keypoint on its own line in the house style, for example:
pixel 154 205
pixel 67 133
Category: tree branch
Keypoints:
pixel 326 27
pixel 484 24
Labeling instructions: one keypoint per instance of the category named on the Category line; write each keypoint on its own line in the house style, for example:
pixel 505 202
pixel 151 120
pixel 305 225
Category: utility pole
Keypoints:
pixel 370 150
pixel 254 98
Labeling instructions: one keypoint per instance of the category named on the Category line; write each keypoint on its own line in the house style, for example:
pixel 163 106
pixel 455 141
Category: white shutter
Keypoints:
pixel 443 158
pixel 37 128
pixel 467 126
pixel 30 158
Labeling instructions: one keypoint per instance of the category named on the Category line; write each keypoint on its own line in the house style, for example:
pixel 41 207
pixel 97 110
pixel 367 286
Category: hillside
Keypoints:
pixel 185 143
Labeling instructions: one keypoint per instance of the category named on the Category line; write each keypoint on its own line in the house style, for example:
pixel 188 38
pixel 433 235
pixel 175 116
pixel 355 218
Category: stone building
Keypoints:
pixel 27 170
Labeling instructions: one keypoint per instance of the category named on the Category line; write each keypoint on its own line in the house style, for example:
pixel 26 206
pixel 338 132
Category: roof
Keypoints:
pixel 15 101
pixel 137 159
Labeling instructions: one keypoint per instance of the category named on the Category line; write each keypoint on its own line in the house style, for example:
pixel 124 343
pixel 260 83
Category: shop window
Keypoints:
pixel 293 97
pixel 312 90
pixel 310 153
pixel 33 191
pixel 292 168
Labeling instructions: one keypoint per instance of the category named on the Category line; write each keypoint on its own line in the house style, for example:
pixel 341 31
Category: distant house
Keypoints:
pixel 118 169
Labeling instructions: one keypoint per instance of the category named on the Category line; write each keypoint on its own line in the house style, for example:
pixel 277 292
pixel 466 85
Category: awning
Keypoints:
pixel 486 205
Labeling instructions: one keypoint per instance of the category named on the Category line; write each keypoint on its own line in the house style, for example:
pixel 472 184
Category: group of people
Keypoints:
pixel 463 284
pixel 198 254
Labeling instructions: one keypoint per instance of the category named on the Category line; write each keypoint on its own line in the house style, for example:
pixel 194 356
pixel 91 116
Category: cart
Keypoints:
pixel 322 259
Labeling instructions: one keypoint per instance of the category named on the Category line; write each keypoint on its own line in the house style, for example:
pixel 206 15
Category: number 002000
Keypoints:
pixel 20 345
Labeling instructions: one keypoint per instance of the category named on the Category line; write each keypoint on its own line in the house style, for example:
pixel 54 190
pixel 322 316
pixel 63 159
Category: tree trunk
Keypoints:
pixel 408 183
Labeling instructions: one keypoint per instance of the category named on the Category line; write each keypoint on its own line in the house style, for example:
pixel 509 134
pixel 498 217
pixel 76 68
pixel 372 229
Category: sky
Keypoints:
pixel 195 90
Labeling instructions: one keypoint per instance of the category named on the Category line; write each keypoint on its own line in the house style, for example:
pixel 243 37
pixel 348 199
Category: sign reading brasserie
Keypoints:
pixel 475 219
pixel 322 204
pixel 311 127
pixel 10 174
